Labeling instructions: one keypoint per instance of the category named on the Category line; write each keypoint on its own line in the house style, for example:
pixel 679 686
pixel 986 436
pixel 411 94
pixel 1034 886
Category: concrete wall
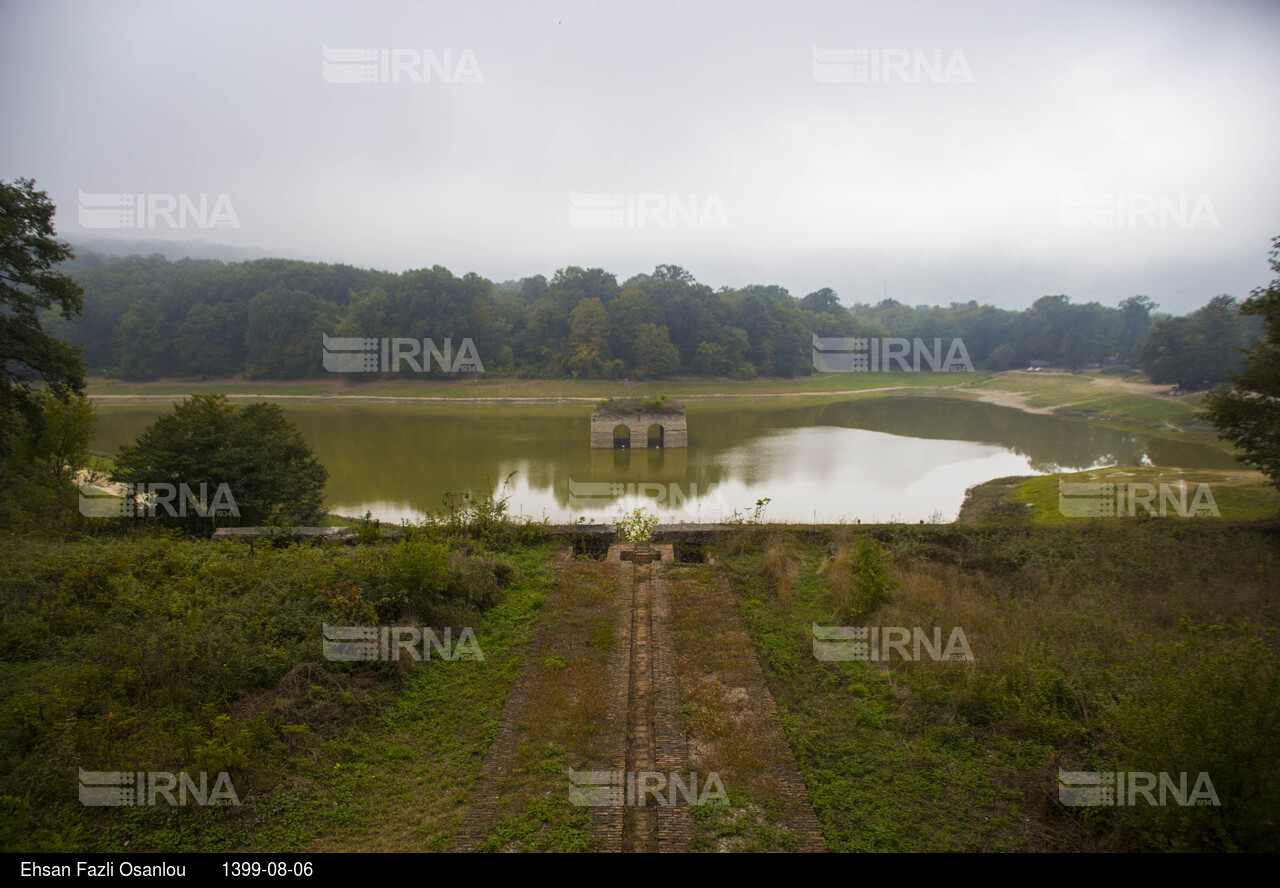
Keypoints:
pixel 675 431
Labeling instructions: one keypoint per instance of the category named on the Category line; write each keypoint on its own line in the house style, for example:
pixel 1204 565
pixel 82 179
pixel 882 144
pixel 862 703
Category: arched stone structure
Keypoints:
pixel 673 431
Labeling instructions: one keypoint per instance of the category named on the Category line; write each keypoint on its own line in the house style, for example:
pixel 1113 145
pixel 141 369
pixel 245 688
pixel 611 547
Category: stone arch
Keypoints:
pixel 656 435
pixel 621 435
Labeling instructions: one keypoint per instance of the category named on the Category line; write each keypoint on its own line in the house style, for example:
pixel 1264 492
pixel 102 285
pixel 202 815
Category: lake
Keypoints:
pixel 872 459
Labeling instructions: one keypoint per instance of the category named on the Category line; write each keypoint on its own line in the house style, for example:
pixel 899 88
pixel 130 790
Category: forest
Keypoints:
pixel 149 318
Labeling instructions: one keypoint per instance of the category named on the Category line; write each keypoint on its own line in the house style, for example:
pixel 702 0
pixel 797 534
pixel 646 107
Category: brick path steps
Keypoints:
pixel 656 740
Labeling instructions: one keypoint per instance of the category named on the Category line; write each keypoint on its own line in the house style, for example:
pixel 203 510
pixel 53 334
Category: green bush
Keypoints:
pixel 156 652
pixel 636 526
pixel 871 584
pixel 1207 704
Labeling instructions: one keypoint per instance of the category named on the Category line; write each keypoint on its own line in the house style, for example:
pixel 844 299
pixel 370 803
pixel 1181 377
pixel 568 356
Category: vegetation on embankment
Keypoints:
pixel 1128 645
pixel 1119 646
pixel 499 387
pixel 1131 403
pixel 155 653
pixel 1237 494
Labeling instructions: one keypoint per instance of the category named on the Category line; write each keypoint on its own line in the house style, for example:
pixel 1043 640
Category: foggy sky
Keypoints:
pixel 930 191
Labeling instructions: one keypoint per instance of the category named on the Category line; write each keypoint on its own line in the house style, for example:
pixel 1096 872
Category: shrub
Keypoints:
pixel 636 525
pixel 858 580
pixel 1207 704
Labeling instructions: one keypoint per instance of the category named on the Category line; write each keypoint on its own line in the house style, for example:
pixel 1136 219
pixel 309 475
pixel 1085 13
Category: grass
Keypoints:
pixel 405 780
pixel 880 777
pixel 1137 646
pixel 563 722
pixel 1238 494
pixel 486 387
pixel 163 655
pixel 1142 646
pixel 1102 399
pixel 99 462
pixel 99 385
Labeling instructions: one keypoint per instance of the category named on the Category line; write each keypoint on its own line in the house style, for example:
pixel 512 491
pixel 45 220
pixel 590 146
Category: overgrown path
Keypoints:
pixel 641 673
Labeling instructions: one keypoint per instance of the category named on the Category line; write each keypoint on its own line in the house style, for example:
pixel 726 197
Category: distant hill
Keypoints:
pixel 173 249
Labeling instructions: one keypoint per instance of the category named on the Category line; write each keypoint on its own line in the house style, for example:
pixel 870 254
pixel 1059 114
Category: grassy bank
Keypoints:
pixel 490 387
pixel 1119 645
pixel 1137 647
pixel 157 654
pixel 1237 494
pixel 1099 398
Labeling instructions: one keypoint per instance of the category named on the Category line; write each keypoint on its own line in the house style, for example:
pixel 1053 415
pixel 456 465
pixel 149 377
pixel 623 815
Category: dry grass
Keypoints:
pixel 779 565
pixel 1138 646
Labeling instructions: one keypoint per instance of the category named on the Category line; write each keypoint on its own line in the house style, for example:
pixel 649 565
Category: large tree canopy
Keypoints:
pixel 1201 349
pixel 1248 413
pixel 29 356
pixel 255 450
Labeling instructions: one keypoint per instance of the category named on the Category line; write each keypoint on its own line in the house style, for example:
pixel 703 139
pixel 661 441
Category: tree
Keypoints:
pixel 210 341
pixel 824 300
pixel 1136 314
pixel 255 450
pixel 1198 350
pixel 276 350
pixel 1001 358
pixel 673 273
pixel 142 342
pixel 688 309
pixel 62 448
pixel 588 338
pixel 43 465
pixel 546 337
pixel 712 359
pixel 29 356
pixel 534 288
pixel 627 314
pixel 1248 413
pixel 655 354
pixel 573 284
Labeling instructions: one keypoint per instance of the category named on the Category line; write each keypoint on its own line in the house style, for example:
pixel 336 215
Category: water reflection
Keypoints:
pixel 904 459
